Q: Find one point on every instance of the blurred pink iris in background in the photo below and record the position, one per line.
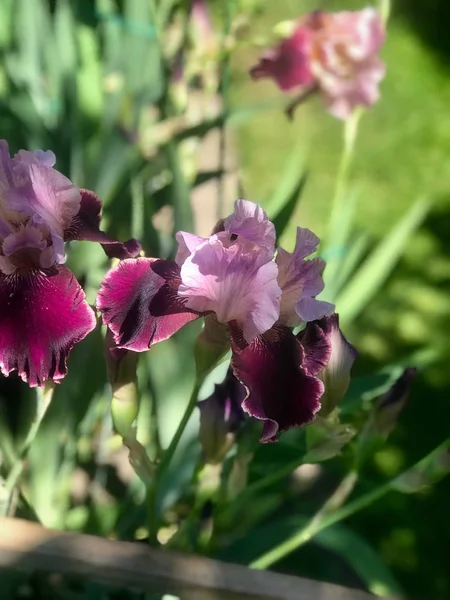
(335, 53)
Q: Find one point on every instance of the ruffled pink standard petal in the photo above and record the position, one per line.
(86, 226)
(139, 302)
(232, 283)
(281, 393)
(301, 280)
(43, 315)
(251, 222)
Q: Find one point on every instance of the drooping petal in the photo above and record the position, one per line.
(301, 280)
(139, 302)
(251, 222)
(280, 392)
(336, 373)
(231, 282)
(86, 226)
(42, 316)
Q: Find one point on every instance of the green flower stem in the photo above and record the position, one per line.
(328, 515)
(350, 134)
(152, 489)
(43, 398)
(168, 454)
(224, 86)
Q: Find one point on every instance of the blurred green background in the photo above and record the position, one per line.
(403, 153)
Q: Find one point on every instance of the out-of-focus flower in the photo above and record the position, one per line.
(234, 277)
(337, 53)
(220, 417)
(42, 306)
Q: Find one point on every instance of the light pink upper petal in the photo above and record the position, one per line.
(56, 199)
(41, 192)
(44, 156)
(300, 280)
(232, 283)
(310, 309)
(251, 222)
(187, 243)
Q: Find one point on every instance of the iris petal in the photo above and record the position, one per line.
(43, 315)
(139, 302)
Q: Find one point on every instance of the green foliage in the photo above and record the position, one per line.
(96, 82)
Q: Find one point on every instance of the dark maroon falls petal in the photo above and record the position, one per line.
(85, 226)
(280, 391)
(42, 316)
(139, 302)
(317, 347)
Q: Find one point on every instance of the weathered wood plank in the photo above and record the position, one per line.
(30, 547)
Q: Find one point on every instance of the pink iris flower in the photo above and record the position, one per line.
(237, 276)
(43, 311)
(337, 53)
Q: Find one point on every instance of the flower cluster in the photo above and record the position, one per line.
(335, 53)
(43, 311)
(236, 278)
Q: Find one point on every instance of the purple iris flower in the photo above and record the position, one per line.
(43, 311)
(259, 294)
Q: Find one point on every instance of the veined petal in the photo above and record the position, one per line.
(280, 391)
(231, 282)
(43, 315)
(251, 222)
(51, 198)
(301, 280)
(139, 302)
(86, 226)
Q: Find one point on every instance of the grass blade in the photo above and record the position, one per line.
(374, 271)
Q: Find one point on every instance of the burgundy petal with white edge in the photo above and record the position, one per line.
(336, 373)
(42, 316)
(86, 226)
(281, 393)
(301, 280)
(139, 302)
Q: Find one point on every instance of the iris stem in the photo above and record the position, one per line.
(224, 85)
(350, 134)
(168, 454)
(43, 399)
(152, 490)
